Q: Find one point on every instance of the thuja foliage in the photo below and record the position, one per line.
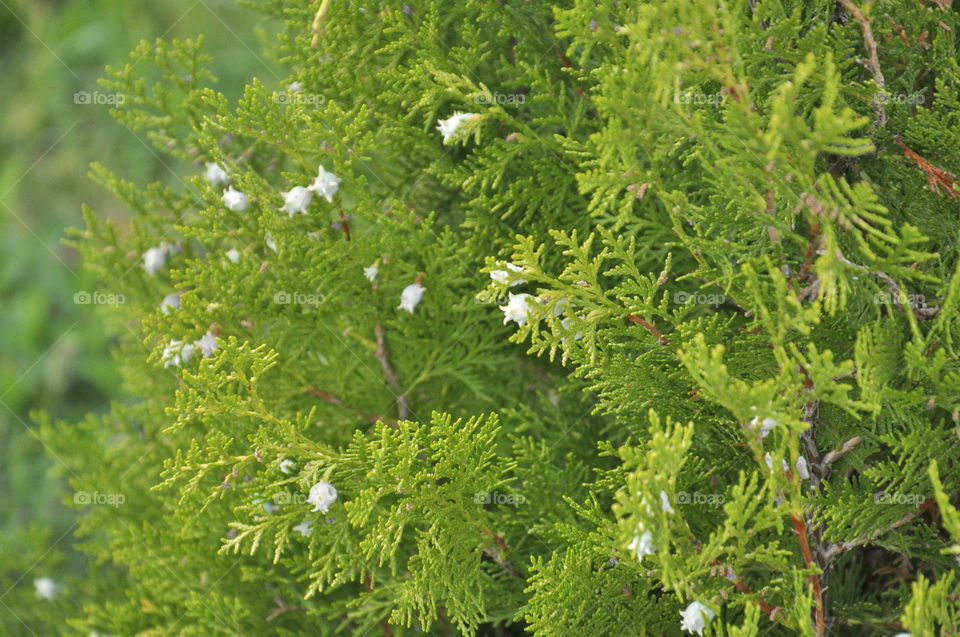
(656, 332)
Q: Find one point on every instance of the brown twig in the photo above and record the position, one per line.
(282, 607)
(800, 527)
(344, 223)
(650, 327)
(743, 588)
(403, 410)
(833, 456)
(936, 177)
(843, 547)
(873, 59)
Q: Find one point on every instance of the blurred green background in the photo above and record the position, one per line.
(54, 355)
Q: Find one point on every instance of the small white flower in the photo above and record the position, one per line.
(287, 466)
(642, 544)
(517, 309)
(450, 127)
(170, 302)
(769, 460)
(765, 426)
(322, 495)
(665, 502)
(216, 174)
(177, 353)
(500, 276)
(326, 184)
(46, 588)
(295, 87)
(155, 258)
(233, 255)
(802, 470)
(268, 239)
(235, 200)
(296, 200)
(207, 344)
(695, 618)
(410, 297)
(304, 527)
(371, 272)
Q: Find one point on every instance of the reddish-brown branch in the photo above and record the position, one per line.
(650, 327)
(801, 529)
(743, 588)
(403, 410)
(344, 223)
(811, 248)
(565, 63)
(937, 178)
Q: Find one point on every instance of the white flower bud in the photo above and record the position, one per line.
(322, 495)
(410, 297)
(695, 618)
(326, 184)
(517, 309)
(450, 127)
(216, 174)
(46, 588)
(665, 502)
(642, 544)
(235, 200)
(155, 258)
(296, 200)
